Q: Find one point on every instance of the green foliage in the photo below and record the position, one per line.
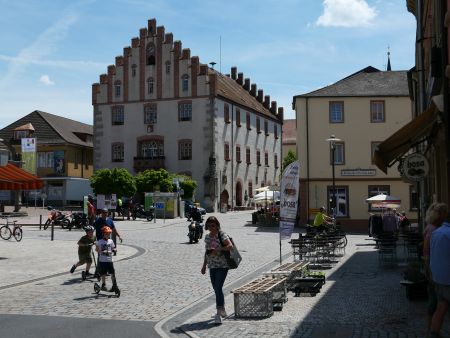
(288, 159)
(113, 181)
(148, 180)
(189, 186)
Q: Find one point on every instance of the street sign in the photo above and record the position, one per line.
(159, 205)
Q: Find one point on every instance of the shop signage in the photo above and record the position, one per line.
(415, 167)
(358, 172)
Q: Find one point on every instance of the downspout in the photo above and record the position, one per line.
(307, 159)
(422, 104)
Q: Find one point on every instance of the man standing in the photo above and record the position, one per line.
(440, 272)
(102, 221)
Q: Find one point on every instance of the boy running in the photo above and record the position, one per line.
(84, 250)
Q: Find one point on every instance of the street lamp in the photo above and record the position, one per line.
(332, 140)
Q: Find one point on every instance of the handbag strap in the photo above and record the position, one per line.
(220, 237)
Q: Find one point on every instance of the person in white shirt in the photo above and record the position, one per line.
(105, 248)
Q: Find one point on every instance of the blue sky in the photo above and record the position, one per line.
(52, 51)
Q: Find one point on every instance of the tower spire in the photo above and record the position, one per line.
(388, 68)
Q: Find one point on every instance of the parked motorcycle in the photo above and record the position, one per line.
(56, 217)
(79, 220)
(139, 212)
(195, 232)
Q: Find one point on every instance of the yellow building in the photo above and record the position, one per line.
(360, 110)
(64, 155)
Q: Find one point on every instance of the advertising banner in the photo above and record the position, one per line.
(107, 201)
(289, 199)
(85, 206)
(58, 163)
(29, 156)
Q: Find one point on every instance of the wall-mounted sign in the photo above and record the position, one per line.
(358, 172)
(415, 167)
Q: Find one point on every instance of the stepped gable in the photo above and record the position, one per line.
(364, 83)
(234, 88)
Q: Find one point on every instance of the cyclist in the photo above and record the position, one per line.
(322, 221)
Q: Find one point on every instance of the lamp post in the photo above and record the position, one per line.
(332, 140)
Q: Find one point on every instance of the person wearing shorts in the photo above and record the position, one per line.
(84, 250)
(106, 248)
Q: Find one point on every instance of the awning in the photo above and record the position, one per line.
(14, 178)
(405, 138)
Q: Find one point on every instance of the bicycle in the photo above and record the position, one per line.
(6, 232)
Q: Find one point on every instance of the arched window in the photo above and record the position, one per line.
(150, 54)
(150, 84)
(185, 82)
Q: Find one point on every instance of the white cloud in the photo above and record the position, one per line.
(346, 13)
(45, 79)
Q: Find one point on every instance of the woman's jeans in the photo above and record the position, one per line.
(218, 276)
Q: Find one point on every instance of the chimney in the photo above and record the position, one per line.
(233, 72)
(267, 101)
(281, 113)
(134, 42)
(273, 107)
(240, 78)
(151, 24)
(260, 95)
(246, 84)
(253, 89)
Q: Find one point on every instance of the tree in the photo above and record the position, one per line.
(188, 185)
(289, 158)
(117, 181)
(149, 179)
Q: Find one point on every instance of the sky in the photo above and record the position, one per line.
(53, 51)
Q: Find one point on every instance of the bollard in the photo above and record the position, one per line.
(40, 222)
(53, 231)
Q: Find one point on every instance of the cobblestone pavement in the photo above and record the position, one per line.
(159, 275)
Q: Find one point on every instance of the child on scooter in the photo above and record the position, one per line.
(84, 250)
(105, 248)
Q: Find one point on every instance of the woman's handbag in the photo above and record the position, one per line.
(233, 256)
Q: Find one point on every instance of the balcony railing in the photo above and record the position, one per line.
(143, 163)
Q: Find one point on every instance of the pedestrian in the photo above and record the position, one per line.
(435, 215)
(84, 250)
(104, 220)
(130, 208)
(105, 248)
(216, 242)
(91, 210)
(440, 272)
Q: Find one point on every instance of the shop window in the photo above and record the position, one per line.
(341, 196)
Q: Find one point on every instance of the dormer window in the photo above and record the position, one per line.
(24, 131)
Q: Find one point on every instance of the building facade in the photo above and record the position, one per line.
(289, 136)
(360, 111)
(64, 155)
(158, 107)
(428, 134)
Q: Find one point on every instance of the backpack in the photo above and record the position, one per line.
(233, 256)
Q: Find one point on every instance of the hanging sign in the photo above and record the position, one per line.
(415, 167)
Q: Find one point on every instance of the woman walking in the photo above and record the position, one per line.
(216, 243)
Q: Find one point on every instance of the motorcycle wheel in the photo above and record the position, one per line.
(65, 223)
(47, 223)
(134, 217)
(150, 217)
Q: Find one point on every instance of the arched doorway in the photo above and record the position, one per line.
(224, 196)
(238, 194)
